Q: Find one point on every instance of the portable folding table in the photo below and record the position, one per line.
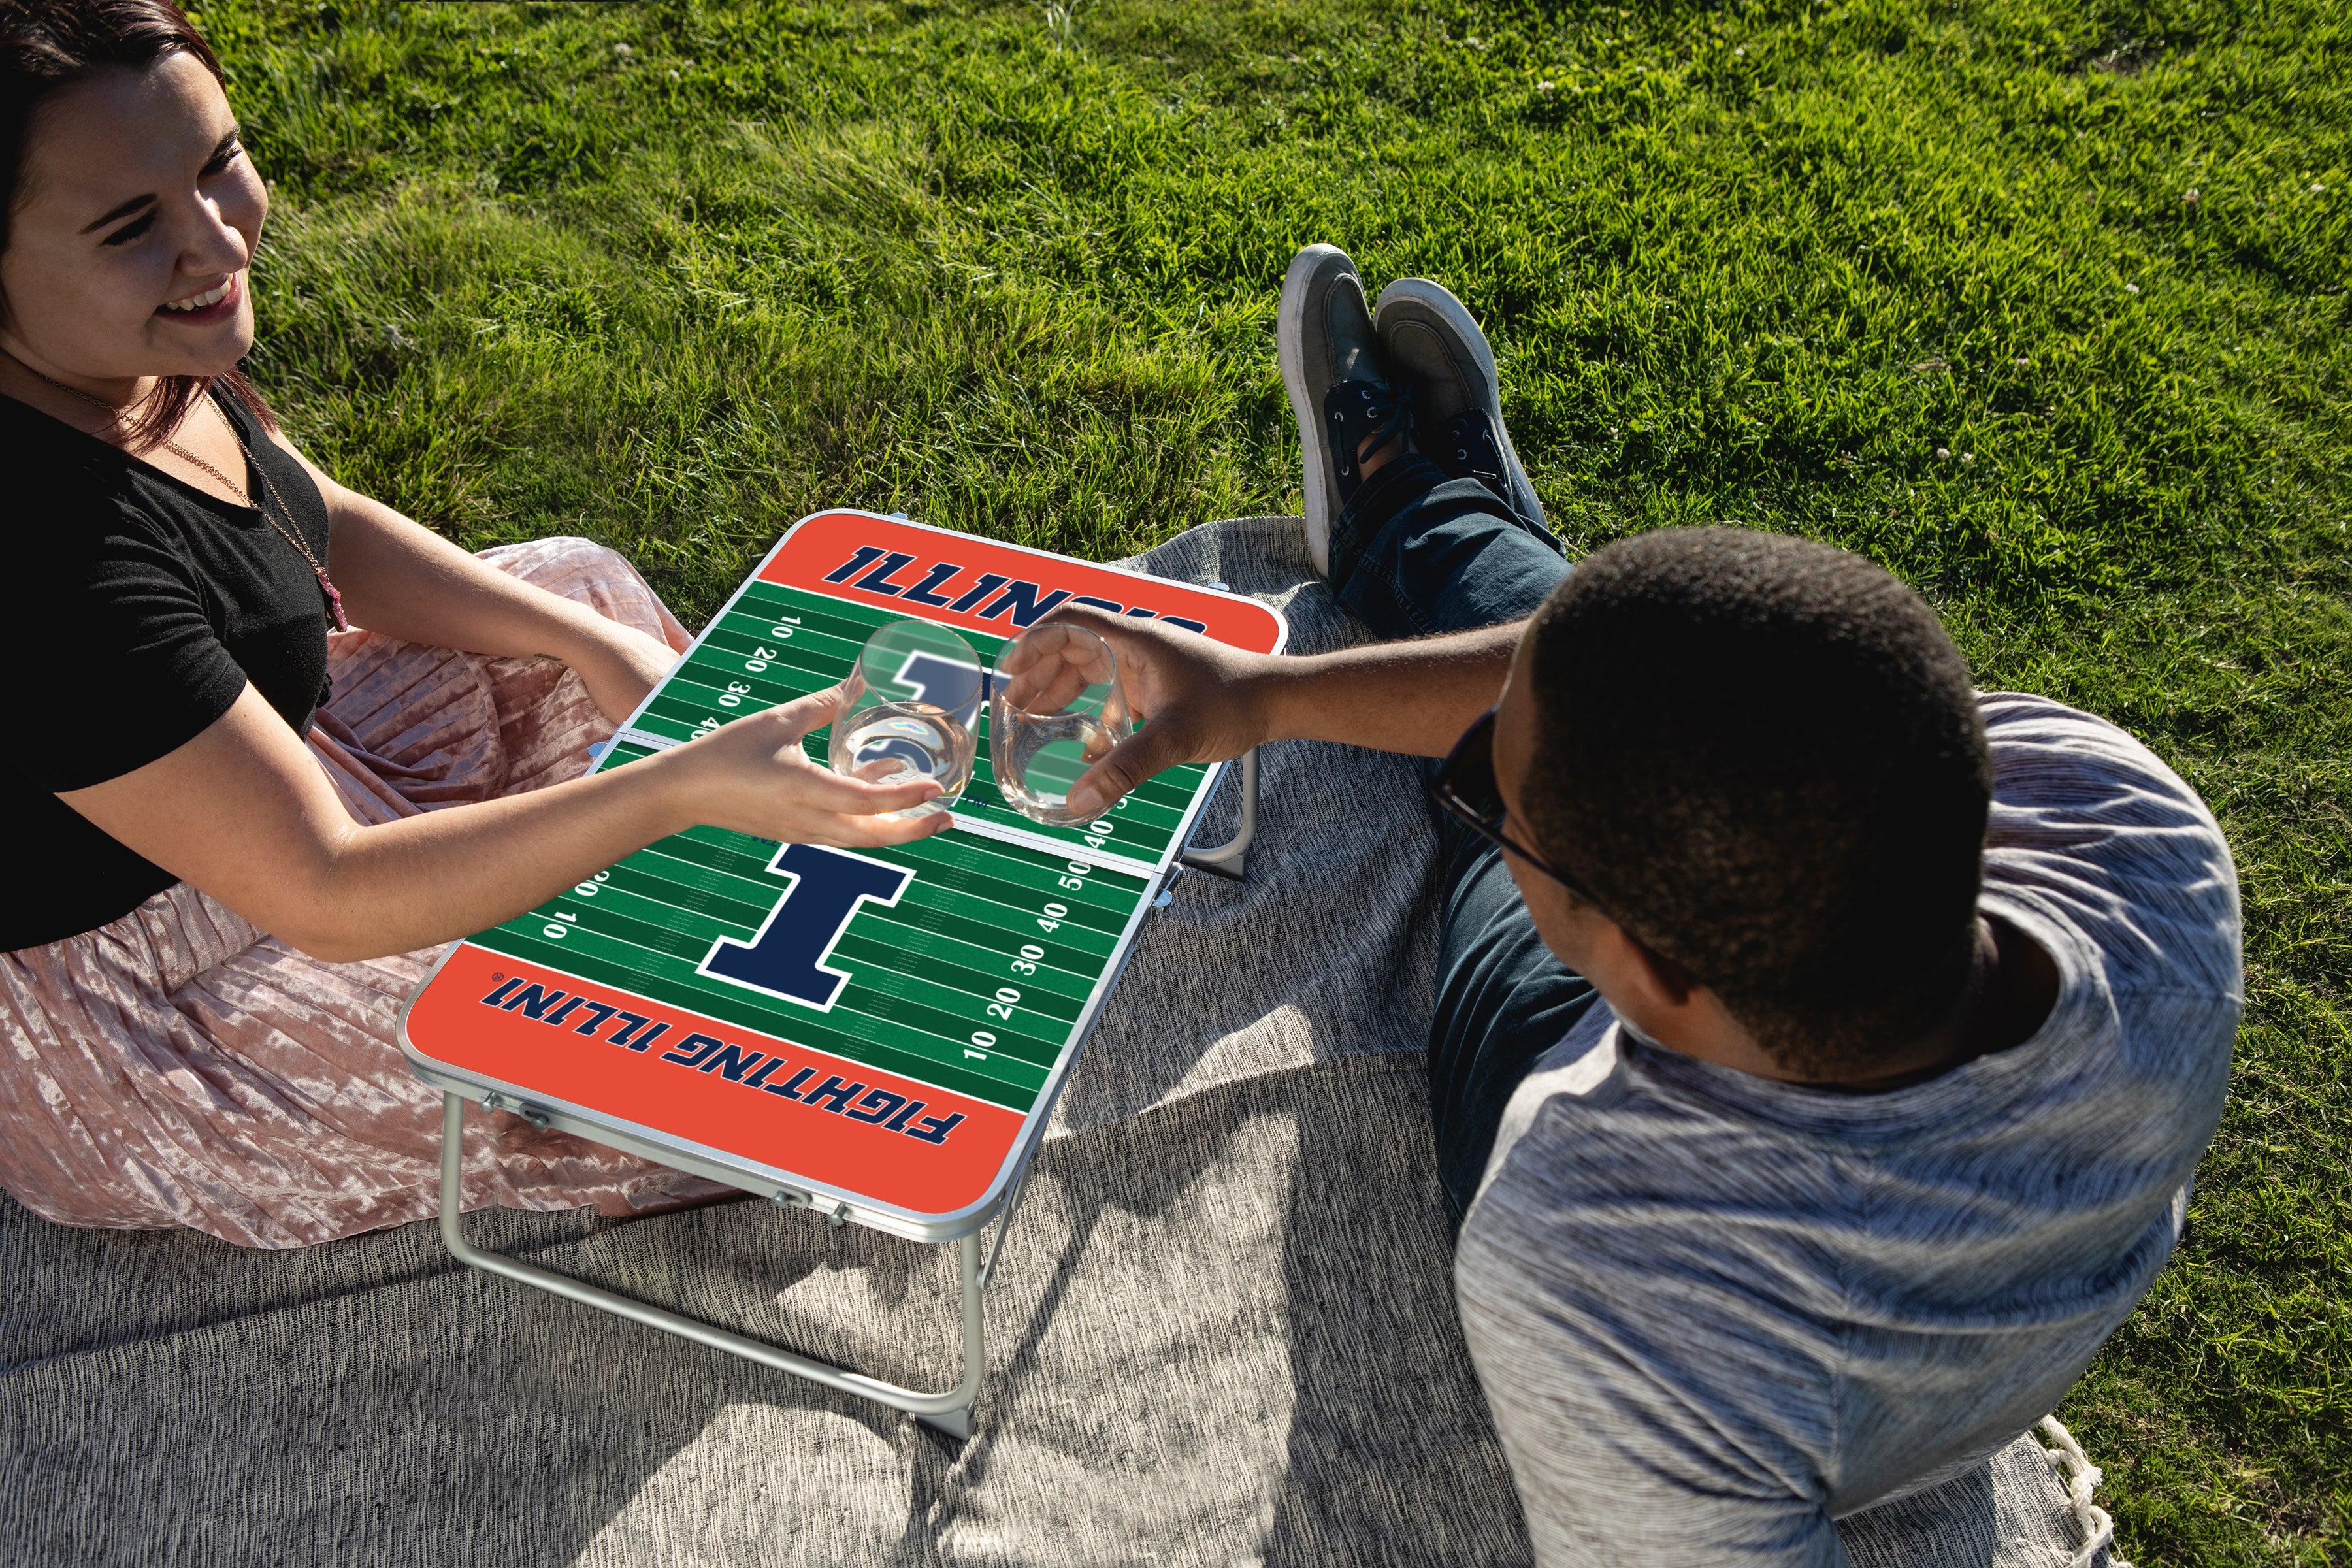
(880, 1035)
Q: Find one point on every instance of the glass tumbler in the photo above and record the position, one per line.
(914, 702)
(1055, 710)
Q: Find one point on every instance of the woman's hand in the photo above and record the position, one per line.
(751, 775)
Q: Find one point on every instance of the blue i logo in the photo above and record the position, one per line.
(786, 957)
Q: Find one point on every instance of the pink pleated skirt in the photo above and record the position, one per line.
(180, 1067)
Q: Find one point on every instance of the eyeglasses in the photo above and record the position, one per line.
(1464, 787)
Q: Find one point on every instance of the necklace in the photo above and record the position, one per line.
(291, 535)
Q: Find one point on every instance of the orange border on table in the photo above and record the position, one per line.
(726, 1117)
(825, 543)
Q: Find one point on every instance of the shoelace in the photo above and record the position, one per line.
(1385, 408)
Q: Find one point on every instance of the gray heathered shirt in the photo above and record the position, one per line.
(1715, 1312)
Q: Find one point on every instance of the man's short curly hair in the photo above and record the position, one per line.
(1764, 757)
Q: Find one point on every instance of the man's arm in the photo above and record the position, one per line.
(1207, 703)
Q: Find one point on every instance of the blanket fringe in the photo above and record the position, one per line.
(2082, 1478)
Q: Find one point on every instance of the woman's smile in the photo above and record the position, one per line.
(218, 303)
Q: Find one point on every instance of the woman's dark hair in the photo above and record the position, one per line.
(47, 46)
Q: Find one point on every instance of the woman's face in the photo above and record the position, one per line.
(136, 218)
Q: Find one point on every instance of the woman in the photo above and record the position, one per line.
(243, 833)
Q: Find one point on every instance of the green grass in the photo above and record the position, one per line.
(1013, 268)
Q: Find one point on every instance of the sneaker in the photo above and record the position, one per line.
(1338, 380)
(1432, 342)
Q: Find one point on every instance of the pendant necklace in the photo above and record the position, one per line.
(292, 535)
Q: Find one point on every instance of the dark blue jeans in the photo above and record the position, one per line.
(1414, 554)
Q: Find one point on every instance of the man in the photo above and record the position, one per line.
(1822, 1051)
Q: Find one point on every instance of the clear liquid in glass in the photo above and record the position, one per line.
(895, 742)
(1038, 759)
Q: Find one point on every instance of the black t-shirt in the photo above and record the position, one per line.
(140, 609)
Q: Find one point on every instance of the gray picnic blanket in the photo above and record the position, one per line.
(1222, 1331)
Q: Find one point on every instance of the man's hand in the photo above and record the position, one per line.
(1202, 698)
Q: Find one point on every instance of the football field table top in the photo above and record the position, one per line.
(881, 1032)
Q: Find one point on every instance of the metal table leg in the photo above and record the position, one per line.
(949, 1412)
(1228, 859)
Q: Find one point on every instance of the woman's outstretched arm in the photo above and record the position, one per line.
(245, 813)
